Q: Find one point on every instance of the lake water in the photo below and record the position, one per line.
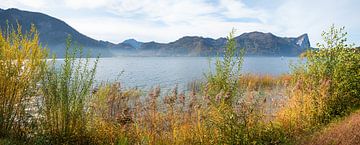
(167, 72)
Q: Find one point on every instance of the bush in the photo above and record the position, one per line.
(21, 60)
(224, 81)
(325, 85)
(66, 92)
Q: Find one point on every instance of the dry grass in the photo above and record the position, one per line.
(263, 82)
(129, 117)
(343, 132)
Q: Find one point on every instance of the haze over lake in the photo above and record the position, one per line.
(148, 72)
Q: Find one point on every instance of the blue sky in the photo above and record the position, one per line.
(168, 20)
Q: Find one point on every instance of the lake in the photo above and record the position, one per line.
(167, 72)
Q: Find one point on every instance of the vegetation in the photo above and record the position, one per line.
(227, 72)
(44, 102)
(342, 131)
(21, 62)
(65, 93)
(325, 86)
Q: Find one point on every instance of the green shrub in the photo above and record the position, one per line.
(325, 85)
(335, 65)
(66, 91)
(224, 81)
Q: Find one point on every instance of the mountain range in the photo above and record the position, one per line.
(53, 33)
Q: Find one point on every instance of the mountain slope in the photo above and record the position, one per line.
(258, 43)
(52, 32)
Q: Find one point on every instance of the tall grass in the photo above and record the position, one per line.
(113, 110)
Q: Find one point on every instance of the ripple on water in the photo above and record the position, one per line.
(147, 72)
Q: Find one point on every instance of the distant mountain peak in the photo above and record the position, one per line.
(303, 41)
(186, 38)
(132, 42)
(15, 10)
(257, 34)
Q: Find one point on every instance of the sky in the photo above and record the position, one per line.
(168, 20)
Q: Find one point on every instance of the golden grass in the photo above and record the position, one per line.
(272, 110)
(181, 118)
(343, 132)
(264, 82)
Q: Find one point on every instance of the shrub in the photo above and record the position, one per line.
(325, 85)
(66, 92)
(227, 72)
(21, 60)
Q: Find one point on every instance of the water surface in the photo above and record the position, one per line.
(167, 72)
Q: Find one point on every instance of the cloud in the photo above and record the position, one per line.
(32, 4)
(303, 16)
(118, 30)
(237, 9)
(164, 20)
(81, 4)
(168, 20)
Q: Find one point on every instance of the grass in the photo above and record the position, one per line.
(45, 104)
(343, 130)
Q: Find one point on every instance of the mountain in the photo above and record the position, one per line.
(53, 33)
(185, 46)
(254, 43)
(258, 43)
(135, 44)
